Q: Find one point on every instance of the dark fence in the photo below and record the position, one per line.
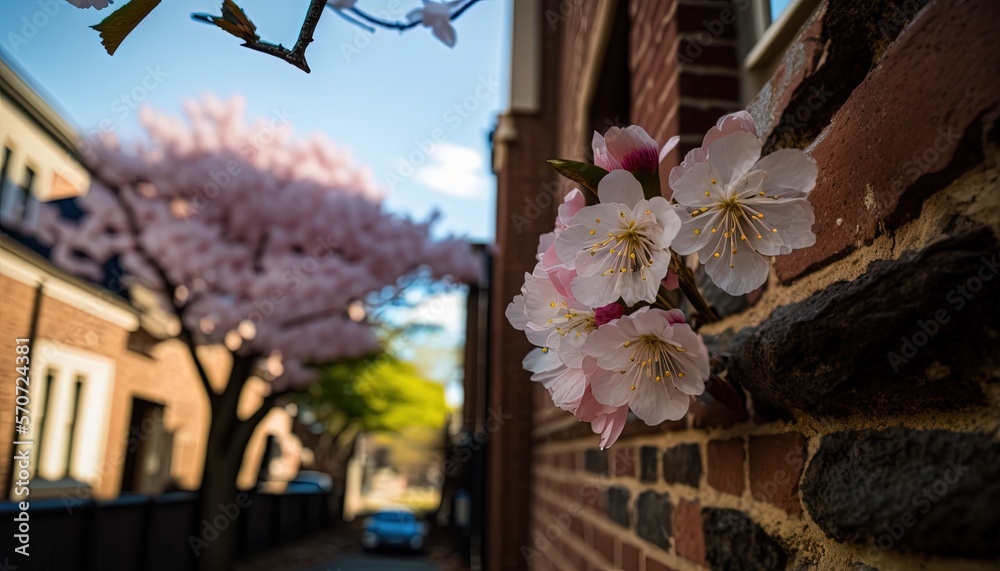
(148, 533)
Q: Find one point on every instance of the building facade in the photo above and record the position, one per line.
(114, 405)
(868, 363)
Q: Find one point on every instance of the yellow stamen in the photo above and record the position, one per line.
(592, 232)
(697, 231)
(716, 254)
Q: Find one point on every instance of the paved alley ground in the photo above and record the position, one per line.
(338, 549)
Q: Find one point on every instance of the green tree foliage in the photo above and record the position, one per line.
(375, 393)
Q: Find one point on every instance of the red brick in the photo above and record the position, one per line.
(776, 463)
(604, 543)
(708, 20)
(631, 557)
(939, 76)
(624, 462)
(713, 415)
(712, 86)
(654, 565)
(689, 538)
(725, 465)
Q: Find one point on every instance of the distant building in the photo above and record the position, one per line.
(113, 407)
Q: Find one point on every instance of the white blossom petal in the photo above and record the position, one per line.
(732, 156)
(541, 360)
(736, 274)
(620, 186)
(658, 402)
(790, 173)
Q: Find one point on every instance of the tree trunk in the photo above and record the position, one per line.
(219, 503)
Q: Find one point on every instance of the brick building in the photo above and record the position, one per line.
(113, 408)
(868, 362)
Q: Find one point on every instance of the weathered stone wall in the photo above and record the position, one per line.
(869, 361)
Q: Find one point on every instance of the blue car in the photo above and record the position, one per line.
(393, 529)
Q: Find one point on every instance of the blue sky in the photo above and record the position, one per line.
(390, 97)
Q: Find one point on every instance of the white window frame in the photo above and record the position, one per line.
(90, 434)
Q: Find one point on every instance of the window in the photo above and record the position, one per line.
(777, 8)
(5, 166)
(148, 449)
(768, 28)
(7, 195)
(72, 421)
(29, 204)
(42, 413)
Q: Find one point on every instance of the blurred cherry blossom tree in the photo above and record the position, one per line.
(253, 240)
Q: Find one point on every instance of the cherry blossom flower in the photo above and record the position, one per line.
(629, 148)
(739, 209)
(565, 321)
(553, 310)
(566, 385)
(560, 273)
(571, 392)
(740, 121)
(619, 247)
(650, 360)
(437, 17)
(608, 421)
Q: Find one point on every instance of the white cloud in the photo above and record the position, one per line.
(456, 171)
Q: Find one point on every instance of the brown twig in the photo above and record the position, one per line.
(297, 55)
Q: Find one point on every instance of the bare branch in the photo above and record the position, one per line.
(169, 288)
(315, 316)
(295, 56)
(401, 26)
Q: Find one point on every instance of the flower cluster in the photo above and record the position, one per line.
(608, 341)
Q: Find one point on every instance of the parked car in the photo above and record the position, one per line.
(394, 528)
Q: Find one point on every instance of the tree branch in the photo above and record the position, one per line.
(315, 316)
(295, 56)
(169, 288)
(398, 25)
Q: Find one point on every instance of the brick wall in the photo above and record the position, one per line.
(869, 362)
(166, 377)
